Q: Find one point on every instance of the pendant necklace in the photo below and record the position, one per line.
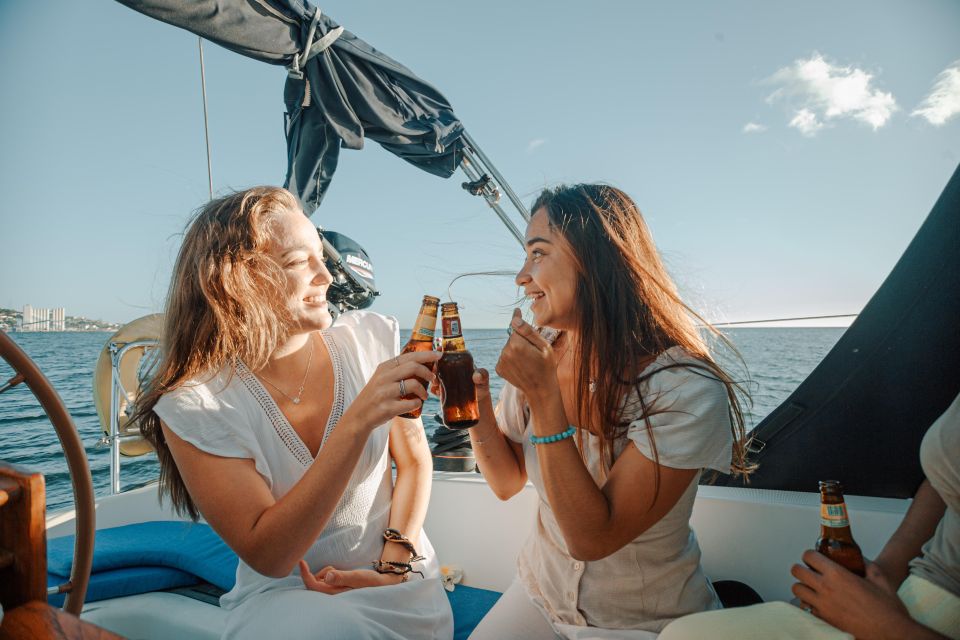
(296, 399)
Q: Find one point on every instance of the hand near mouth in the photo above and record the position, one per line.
(528, 361)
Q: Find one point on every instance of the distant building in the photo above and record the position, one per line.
(58, 319)
(37, 319)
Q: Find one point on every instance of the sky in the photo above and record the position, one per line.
(783, 154)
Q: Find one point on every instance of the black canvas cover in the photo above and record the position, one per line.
(343, 94)
(861, 414)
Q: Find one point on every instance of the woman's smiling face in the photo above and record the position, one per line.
(297, 248)
(549, 275)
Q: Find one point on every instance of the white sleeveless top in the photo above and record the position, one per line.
(231, 414)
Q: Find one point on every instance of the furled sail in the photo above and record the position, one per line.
(339, 89)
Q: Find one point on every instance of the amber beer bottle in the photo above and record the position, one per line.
(455, 373)
(422, 340)
(836, 541)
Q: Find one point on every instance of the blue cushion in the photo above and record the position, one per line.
(469, 605)
(127, 581)
(152, 556)
(189, 547)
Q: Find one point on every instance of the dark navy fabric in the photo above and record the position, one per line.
(153, 556)
(189, 547)
(356, 92)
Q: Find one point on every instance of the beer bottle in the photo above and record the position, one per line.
(455, 374)
(422, 340)
(836, 541)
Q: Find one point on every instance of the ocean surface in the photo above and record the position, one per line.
(776, 360)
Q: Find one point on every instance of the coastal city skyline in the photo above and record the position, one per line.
(784, 156)
(31, 319)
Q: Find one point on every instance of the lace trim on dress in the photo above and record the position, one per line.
(336, 411)
(279, 421)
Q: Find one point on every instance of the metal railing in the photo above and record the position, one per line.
(117, 391)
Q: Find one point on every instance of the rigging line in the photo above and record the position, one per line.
(499, 272)
(841, 315)
(206, 129)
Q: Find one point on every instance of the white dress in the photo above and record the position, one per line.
(232, 415)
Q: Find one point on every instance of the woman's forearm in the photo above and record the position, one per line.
(411, 497)
(497, 459)
(301, 514)
(580, 507)
(917, 527)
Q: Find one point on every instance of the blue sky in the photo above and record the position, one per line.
(784, 154)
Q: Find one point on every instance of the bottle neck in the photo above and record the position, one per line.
(425, 327)
(834, 521)
(452, 333)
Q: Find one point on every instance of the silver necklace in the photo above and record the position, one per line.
(295, 400)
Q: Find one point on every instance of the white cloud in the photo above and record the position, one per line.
(753, 127)
(943, 102)
(535, 144)
(818, 92)
(806, 121)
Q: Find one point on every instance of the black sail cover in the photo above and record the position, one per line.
(343, 94)
(860, 415)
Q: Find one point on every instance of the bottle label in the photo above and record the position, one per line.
(834, 515)
(451, 327)
(425, 324)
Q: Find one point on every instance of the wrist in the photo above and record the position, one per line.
(484, 432)
(352, 425)
(549, 416)
(544, 395)
(395, 552)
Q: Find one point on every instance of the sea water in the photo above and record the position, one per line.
(776, 361)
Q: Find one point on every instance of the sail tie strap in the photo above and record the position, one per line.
(295, 70)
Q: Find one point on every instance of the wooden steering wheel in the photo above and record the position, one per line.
(25, 370)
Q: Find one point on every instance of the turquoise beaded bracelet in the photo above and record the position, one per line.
(557, 437)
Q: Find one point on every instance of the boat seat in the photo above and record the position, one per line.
(169, 555)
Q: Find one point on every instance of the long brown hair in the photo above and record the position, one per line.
(628, 313)
(223, 305)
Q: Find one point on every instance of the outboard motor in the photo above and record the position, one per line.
(353, 285)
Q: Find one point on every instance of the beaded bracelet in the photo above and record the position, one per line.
(392, 535)
(557, 437)
(395, 568)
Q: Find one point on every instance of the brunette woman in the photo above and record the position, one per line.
(279, 429)
(613, 409)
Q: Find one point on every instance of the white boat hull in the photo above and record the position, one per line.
(749, 535)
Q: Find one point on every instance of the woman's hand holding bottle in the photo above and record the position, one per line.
(382, 398)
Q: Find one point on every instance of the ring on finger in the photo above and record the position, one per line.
(403, 388)
(396, 360)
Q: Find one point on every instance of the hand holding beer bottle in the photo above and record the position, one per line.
(422, 340)
(836, 540)
(458, 395)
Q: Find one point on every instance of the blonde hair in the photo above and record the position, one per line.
(225, 303)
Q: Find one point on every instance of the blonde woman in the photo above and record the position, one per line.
(613, 410)
(279, 428)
